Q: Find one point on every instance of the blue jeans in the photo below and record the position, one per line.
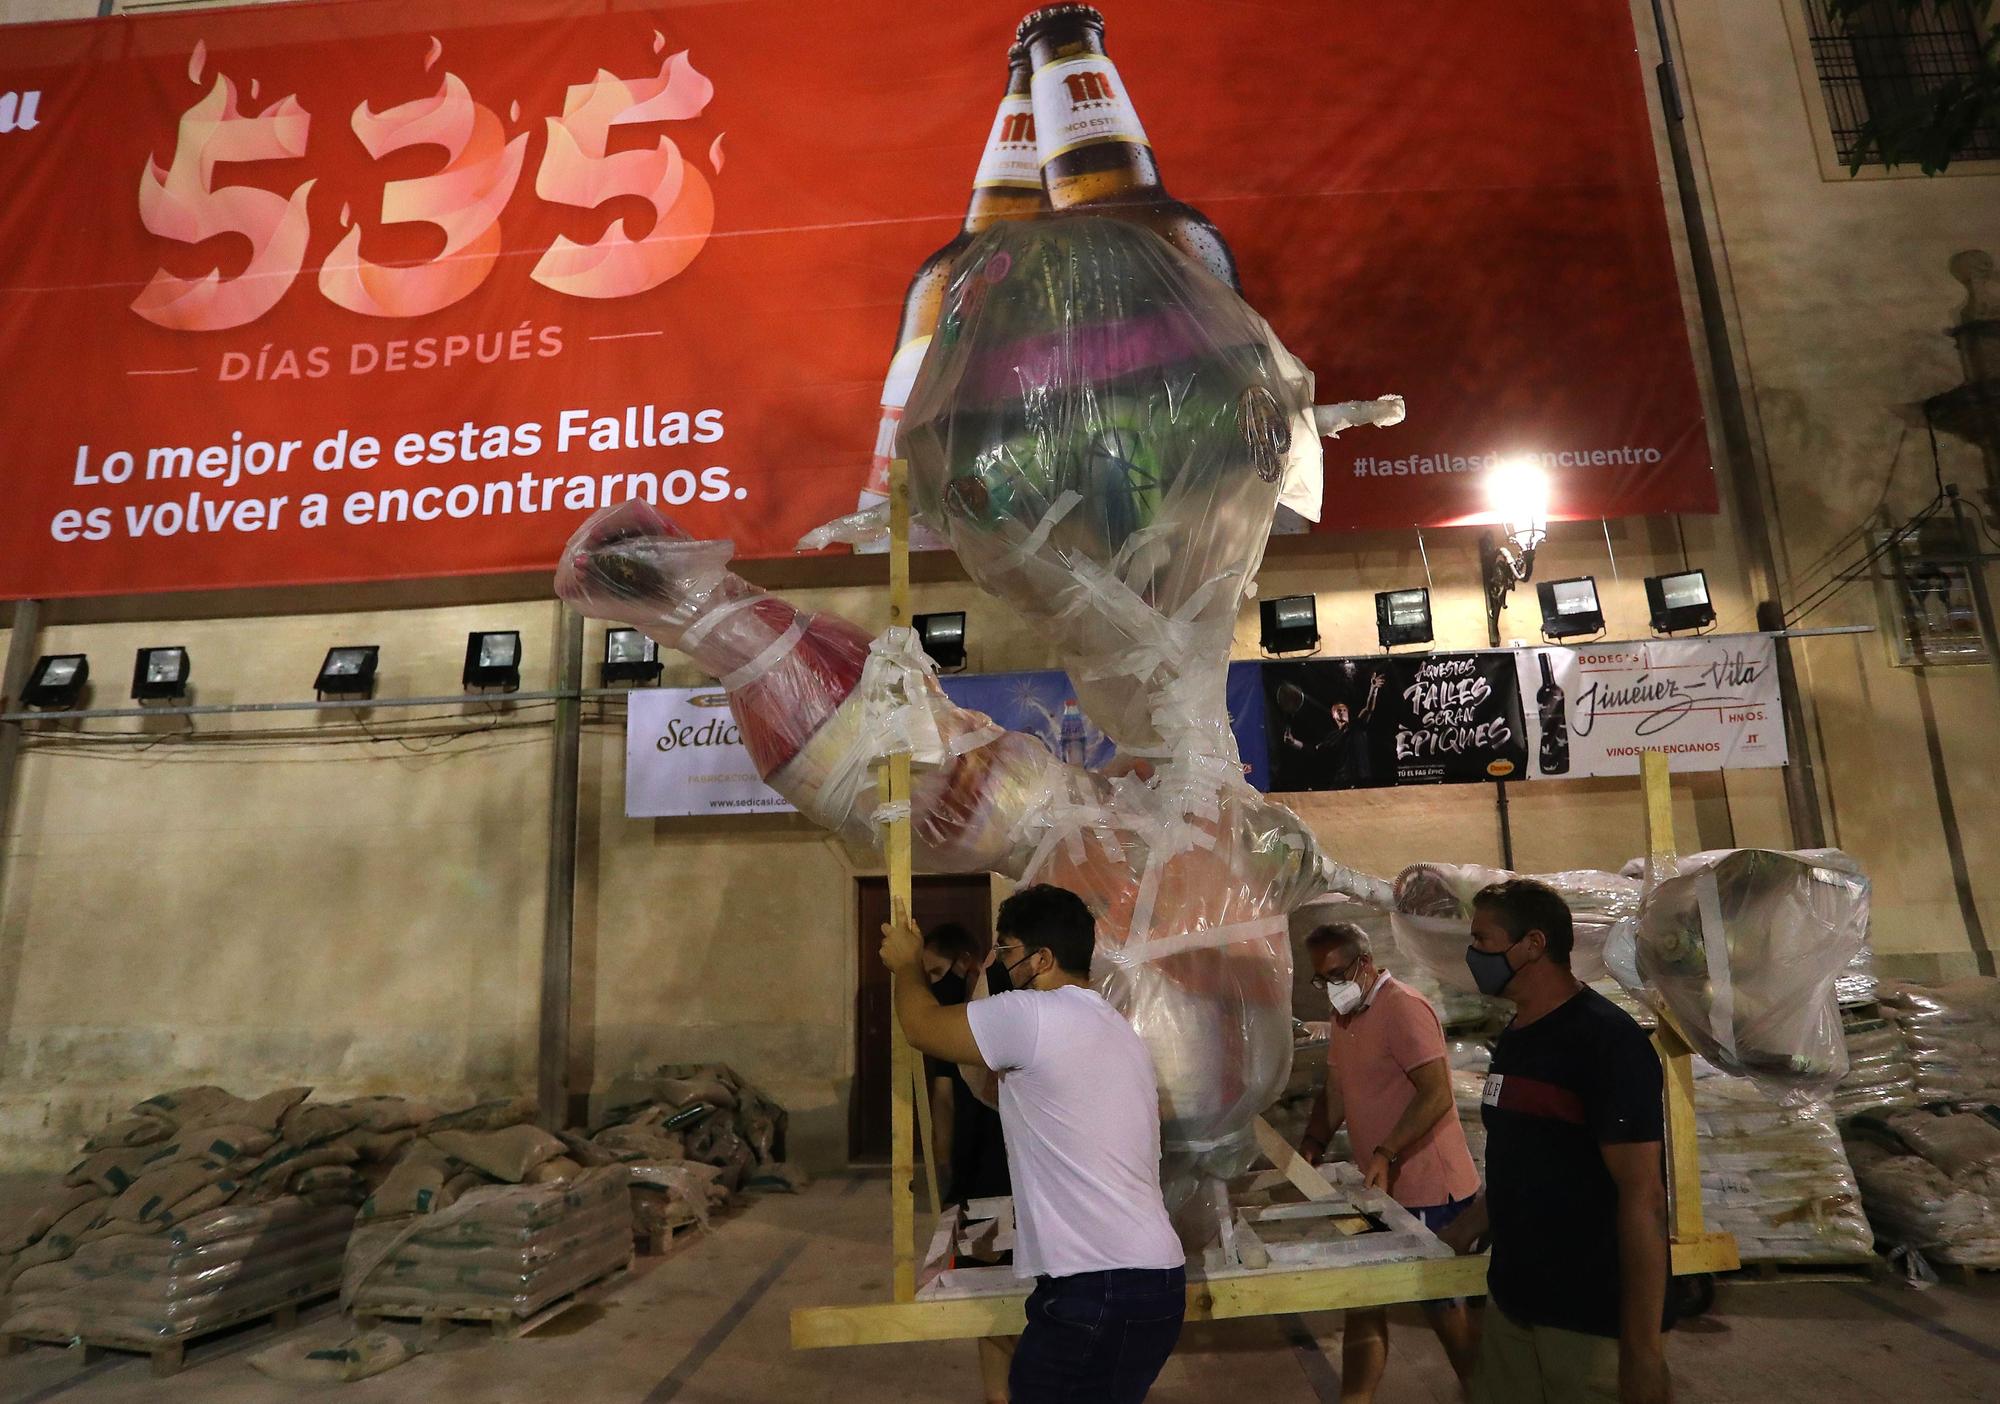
(1098, 1337)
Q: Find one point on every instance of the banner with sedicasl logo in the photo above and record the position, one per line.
(315, 293)
(1709, 703)
(1410, 719)
(684, 755)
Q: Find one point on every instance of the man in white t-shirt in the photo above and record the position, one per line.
(1081, 1111)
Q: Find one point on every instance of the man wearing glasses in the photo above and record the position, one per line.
(1388, 1080)
(1080, 1107)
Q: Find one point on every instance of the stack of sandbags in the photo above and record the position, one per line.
(193, 1162)
(1953, 1034)
(1775, 1174)
(207, 1271)
(491, 1143)
(1931, 1181)
(497, 1251)
(659, 1116)
(1880, 1074)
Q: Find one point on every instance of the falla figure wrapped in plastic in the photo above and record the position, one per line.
(1102, 431)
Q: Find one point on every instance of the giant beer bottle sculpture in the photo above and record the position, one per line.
(1101, 431)
(1007, 185)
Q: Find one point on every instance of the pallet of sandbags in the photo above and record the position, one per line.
(155, 1293)
(1953, 1034)
(1776, 1175)
(507, 1255)
(1930, 1179)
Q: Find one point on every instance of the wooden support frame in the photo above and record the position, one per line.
(906, 1319)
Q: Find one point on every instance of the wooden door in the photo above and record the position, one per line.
(965, 900)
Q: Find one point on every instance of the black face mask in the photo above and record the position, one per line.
(1000, 976)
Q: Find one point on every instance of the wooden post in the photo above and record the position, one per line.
(905, 1069)
(1683, 1151)
(926, 1137)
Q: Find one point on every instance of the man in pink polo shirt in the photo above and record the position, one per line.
(1388, 1080)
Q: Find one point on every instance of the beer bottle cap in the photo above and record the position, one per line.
(1053, 14)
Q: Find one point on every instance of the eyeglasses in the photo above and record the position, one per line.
(1320, 982)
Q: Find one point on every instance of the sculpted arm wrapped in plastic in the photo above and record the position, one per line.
(818, 703)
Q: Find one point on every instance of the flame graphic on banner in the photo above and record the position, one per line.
(183, 203)
(715, 153)
(577, 171)
(464, 200)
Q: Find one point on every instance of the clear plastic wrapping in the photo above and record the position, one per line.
(1953, 1034)
(217, 1267)
(1880, 1073)
(1103, 434)
(1742, 946)
(1775, 1175)
(509, 1249)
(1433, 912)
(1915, 1203)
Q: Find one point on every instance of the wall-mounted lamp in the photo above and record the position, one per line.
(942, 636)
(57, 681)
(1403, 617)
(1679, 601)
(492, 659)
(348, 671)
(160, 675)
(1570, 608)
(1518, 493)
(1290, 624)
(631, 657)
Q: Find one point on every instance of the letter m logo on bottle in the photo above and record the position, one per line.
(1092, 85)
(1018, 127)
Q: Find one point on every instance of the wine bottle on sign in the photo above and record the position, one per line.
(1008, 185)
(1094, 153)
(1555, 722)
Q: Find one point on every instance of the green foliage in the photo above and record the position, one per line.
(1927, 128)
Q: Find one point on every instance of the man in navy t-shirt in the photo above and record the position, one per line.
(1575, 1199)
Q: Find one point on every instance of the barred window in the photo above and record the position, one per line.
(1889, 55)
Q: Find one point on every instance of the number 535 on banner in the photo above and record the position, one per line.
(464, 199)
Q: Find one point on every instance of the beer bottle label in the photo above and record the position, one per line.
(1079, 102)
(1010, 157)
(895, 394)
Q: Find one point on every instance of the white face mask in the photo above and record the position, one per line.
(1344, 996)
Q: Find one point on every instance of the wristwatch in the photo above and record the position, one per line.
(1391, 1156)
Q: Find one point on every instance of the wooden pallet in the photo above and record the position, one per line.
(1965, 1274)
(503, 1324)
(1842, 1270)
(168, 1355)
(658, 1242)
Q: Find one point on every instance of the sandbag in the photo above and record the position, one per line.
(39, 1214)
(507, 1154)
(160, 1190)
(185, 1106)
(267, 1111)
(131, 1131)
(113, 1171)
(355, 1358)
(381, 1114)
(560, 1168)
(412, 1188)
(484, 1116)
(311, 1122)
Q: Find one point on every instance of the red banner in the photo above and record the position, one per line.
(313, 293)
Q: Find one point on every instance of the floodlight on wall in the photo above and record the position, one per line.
(1570, 608)
(56, 681)
(1679, 601)
(1290, 624)
(1403, 617)
(493, 660)
(1517, 493)
(160, 674)
(630, 657)
(943, 638)
(349, 671)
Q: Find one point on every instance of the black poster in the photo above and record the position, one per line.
(1416, 719)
